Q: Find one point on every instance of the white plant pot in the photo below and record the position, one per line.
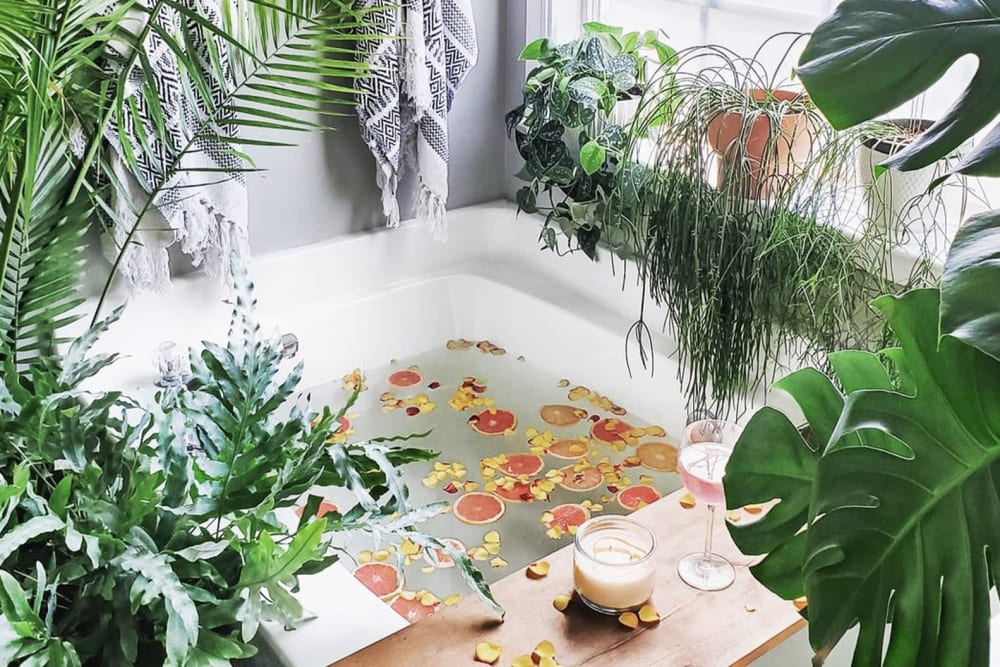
(895, 199)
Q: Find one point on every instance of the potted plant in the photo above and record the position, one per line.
(885, 518)
(890, 196)
(118, 544)
(570, 127)
(761, 138)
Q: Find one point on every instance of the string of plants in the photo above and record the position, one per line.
(137, 531)
(737, 202)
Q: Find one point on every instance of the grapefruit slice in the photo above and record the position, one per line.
(520, 493)
(492, 421)
(382, 579)
(405, 378)
(570, 450)
(478, 508)
(658, 456)
(413, 610)
(325, 507)
(564, 517)
(610, 431)
(637, 496)
(441, 559)
(517, 465)
(586, 479)
(562, 415)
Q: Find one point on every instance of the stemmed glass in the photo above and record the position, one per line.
(701, 463)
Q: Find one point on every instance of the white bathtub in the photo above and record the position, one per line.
(361, 300)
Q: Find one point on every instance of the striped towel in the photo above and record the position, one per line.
(425, 50)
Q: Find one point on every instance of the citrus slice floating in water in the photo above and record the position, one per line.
(658, 456)
(637, 496)
(562, 415)
(586, 479)
(565, 517)
(517, 465)
(407, 377)
(412, 610)
(493, 421)
(382, 579)
(610, 431)
(441, 558)
(569, 450)
(478, 508)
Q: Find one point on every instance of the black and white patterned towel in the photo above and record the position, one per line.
(202, 203)
(425, 51)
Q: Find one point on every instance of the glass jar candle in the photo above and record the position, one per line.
(613, 565)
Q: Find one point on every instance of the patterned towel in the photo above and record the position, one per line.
(203, 202)
(424, 52)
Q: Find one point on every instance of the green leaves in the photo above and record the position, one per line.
(969, 307)
(872, 56)
(535, 50)
(592, 156)
(891, 516)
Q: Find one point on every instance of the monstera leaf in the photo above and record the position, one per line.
(969, 307)
(871, 56)
(889, 519)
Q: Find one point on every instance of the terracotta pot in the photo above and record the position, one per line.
(761, 163)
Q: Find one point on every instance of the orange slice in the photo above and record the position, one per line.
(629, 620)
(412, 609)
(658, 456)
(562, 415)
(407, 377)
(637, 496)
(610, 431)
(586, 479)
(382, 579)
(567, 517)
(518, 465)
(493, 421)
(478, 508)
(571, 450)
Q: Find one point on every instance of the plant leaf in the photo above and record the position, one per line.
(969, 309)
(872, 56)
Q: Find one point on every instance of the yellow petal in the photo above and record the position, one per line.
(538, 569)
(427, 570)
(687, 501)
(648, 614)
(428, 599)
(498, 562)
(488, 652)
(545, 649)
(452, 600)
(381, 554)
(491, 547)
(561, 602)
(629, 620)
(523, 661)
(365, 556)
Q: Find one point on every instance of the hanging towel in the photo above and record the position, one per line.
(423, 52)
(202, 204)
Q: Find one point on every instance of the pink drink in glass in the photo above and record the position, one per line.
(701, 467)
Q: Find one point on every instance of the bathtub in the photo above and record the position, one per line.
(360, 300)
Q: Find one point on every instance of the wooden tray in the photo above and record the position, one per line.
(731, 627)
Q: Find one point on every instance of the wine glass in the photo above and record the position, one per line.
(701, 463)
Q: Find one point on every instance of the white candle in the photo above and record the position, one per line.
(613, 567)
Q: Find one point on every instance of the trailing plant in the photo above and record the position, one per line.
(758, 253)
(566, 129)
(150, 534)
